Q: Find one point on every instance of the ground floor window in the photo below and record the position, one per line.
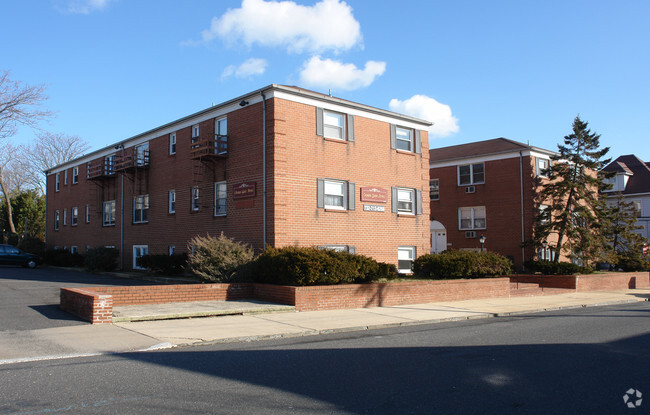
(405, 258)
(139, 251)
(339, 248)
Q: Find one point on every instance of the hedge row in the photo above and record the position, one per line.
(452, 264)
(556, 268)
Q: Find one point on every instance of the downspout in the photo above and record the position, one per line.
(521, 192)
(263, 168)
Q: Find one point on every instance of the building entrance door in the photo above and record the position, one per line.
(438, 237)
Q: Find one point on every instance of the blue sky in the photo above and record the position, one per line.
(479, 69)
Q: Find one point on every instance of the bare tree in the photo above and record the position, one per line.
(47, 151)
(19, 104)
(9, 181)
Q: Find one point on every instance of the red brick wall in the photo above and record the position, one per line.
(547, 281)
(615, 281)
(87, 304)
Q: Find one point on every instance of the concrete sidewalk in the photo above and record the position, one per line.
(256, 321)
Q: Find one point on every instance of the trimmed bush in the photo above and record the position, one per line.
(33, 246)
(632, 261)
(101, 259)
(218, 259)
(556, 268)
(452, 264)
(163, 264)
(63, 258)
(311, 266)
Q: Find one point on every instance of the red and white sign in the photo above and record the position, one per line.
(374, 194)
(244, 190)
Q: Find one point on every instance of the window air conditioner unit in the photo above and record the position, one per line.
(470, 234)
(470, 189)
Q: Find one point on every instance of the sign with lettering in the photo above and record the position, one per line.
(374, 208)
(244, 190)
(374, 194)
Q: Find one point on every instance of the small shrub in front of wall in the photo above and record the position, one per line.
(556, 268)
(32, 245)
(312, 266)
(63, 258)
(164, 264)
(101, 259)
(219, 259)
(452, 264)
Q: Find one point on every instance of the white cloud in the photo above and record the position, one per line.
(86, 6)
(426, 108)
(249, 68)
(327, 73)
(327, 25)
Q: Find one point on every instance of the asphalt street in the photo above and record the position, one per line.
(570, 361)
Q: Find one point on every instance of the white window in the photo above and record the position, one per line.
(172, 201)
(65, 217)
(56, 220)
(172, 143)
(75, 216)
(339, 248)
(109, 213)
(142, 155)
(471, 174)
(58, 182)
(333, 125)
(434, 189)
(403, 139)
(221, 132)
(544, 214)
(405, 201)
(220, 196)
(542, 166)
(334, 195)
(405, 258)
(195, 198)
(141, 209)
(195, 132)
(87, 213)
(75, 175)
(139, 251)
(471, 217)
(171, 249)
(65, 176)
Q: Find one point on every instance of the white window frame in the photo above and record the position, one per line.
(401, 192)
(65, 177)
(474, 215)
(57, 185)
(65, 216)
(405, 253)
(434, 189)
(139, 251)
(472, 180)
(87, 213)
(74, 216)
(329, 128)
(337, 248)
(172, 144)
(141, 205)
(399, 138)
(196, 195)
(221, 130)
(75, 175)
(171, 201)
(542, 164)
(171, 249)
(328, 185)
(74, 249)
(220, 199)
(57, 220)
(141, 154)
(111, 214)
(195, 131)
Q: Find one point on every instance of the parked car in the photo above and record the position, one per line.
(10, 255)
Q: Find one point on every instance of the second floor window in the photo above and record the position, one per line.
(434, 189)
(172, 201)
(57, 182)
(56, 220)
(471, 174)
(195, 199)
(109, 213)
(141, 209)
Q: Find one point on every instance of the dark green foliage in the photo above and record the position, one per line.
(101, 259)
(28, 212)
(62, 258)
(218, 259)
(630, 261)
(164, 264)
(451, 264)
(556, 268)
(33, 246)
(312, 266)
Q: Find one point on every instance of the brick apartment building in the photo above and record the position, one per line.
(486, 188)
(275, 167)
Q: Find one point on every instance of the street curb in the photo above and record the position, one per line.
(204, 314)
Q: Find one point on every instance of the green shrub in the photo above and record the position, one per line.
(32, 245)
(452, 264)
(163, 264)
(62, 258)
(218, 259)
(312, 266)
(101, 259)
(632, 261)
(556, 268)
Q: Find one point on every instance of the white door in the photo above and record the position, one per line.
(438, 237)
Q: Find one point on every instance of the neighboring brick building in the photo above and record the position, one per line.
(332, 173)
(486, 188)
(632, 180)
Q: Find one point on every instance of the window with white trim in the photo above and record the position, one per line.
(471, 218)
(195, 135)
(141, 209)
(405, 258)
(333, 125)
(434, 189)
(471, 174)
(336, 194)
(172, 143)
(57, 183)
(75, 175)
(108, 215)
(542, 167)
(195, 199)
(138, 252)
(65, 216)
(405, 201)
(338, 248)
(404, 139)
(221, 131)
(544, 214)
(171, 249)
(87, 213)
(65, 177)
(57, 215)
(172, 201)
(220, 197)
(74, 213)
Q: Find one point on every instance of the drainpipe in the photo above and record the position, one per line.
(122, 215)
(264, 168)
(521, 184)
